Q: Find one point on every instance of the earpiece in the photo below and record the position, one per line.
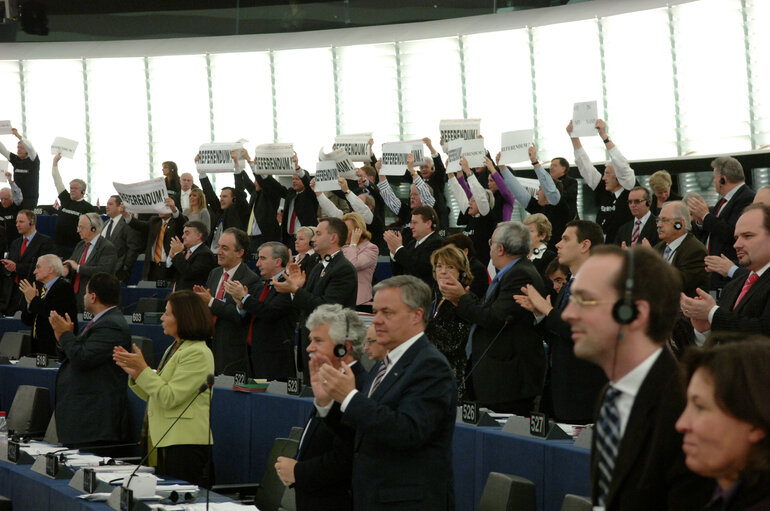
(722, 180)
(340, 350)
(678, 225)
(624, 311)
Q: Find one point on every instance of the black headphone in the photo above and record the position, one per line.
(678, 225)
(340, 350)
(722, 180)
(463, 275)
(93, 227)
(624, 311)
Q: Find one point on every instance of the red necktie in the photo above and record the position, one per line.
(23, 248)
(221, 290)
(635, 235)
(262, 297)
(293, 218)
(746, 286)
(80, 263)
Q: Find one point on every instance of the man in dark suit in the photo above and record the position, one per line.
(10, 205)
(569, 186)
(158, 232)
(230, 209)
(127, 241)
(300, 203)
(262, 225)
(91, 390)
(322, 471)
(505, 349)
(229, 345)
(636, 457)
(716, 226)
(642, 226)
(190, 258)
(680, 248)
(744, 305)
(333, 280)
(404, 420)
(572, 385)
(92, 255)
(22, 257)
(414, 257)
(271, 317)
(53, 294)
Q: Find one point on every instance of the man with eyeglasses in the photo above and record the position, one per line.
(636, 456)
(680, 248)
(642, 225)
(73, 205)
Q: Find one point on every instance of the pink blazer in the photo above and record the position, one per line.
(364, 258)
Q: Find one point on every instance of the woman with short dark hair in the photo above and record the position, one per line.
(184, 452)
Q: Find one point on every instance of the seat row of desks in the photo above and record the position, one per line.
(245, 424)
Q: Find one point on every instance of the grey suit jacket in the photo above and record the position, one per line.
(102, 258)
(127, 243)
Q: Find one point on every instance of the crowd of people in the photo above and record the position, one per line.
(588, 320)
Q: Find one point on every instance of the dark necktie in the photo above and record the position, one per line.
(109, 231)
(607, 441)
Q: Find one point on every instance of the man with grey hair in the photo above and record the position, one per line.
(404, 418)
(92, 255)
(10, 205)
(322, 471)
(51, 294)
(715, 226)
(680, 248)
(507, 369)
(72, 204)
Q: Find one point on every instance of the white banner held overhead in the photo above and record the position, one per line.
(515, 146)
(394, 157)
(145, 196)
(474, 152)
(584, 117)
(531, 185)
(466, 129)
(326, 176)
(64, 146)
(455, 150)
(3, 170)
(5, 128)
(216, 157)
(344, 163)
(356, 145)
(274, 159)
(418, 151)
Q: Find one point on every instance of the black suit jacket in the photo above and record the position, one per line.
(689, 260)
(413, 259)
(91, 390)
(101, 258)
(514, 366)
(263, 203)
(649, 232)
(236, 215)
(230, 347)
(324, 466)
(649, 468)
(128, 244)
(25, 264)
(305, 204)
(721, 229)
(271, 333)
(149, 230)
(752, 315)
(193, 271)
(403, 434)
(61, 298)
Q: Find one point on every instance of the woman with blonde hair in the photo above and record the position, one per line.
(446, 330)
(303, 244)
(540, 229)
(362, 253)
(198, 210)
(660, 184)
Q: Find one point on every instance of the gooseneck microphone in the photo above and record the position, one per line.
(508, 320)
(204, 386)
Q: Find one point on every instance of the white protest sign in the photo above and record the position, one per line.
(5, 128)
(344, 163)
(394, 158)
(418, 152)
(3, 170)
(145, 196)
(357, 145)
(454, 151)
(326, 176)
(216, 157)
(274, 159)
(515, 146)
(474, 152)
(64, 146)
(531, 185)
(452, 129)
(584, 117)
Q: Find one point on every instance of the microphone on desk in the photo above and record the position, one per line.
(206, 385)
(508, 321)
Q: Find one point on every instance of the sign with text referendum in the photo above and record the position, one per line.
(466, 129)
(145, 196)
(326, 176)
(514, 146)
(216, 157)
(454, 151)
(274, 159)
(356, 145)
(394, 156)
(5, 128)
(344, 163)
(64, 146)
(584, 117)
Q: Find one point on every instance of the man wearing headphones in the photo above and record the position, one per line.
(715, 226)
(414, 257)
(92, 255)
(680, 248)
(622, 309)
(642, 225)
(321, 473)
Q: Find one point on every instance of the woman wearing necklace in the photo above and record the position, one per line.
(185, 452)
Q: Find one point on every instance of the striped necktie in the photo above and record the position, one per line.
(380, 375)
(34, 323)
(607, 441)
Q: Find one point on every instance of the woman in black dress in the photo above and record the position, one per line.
(446, 330)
